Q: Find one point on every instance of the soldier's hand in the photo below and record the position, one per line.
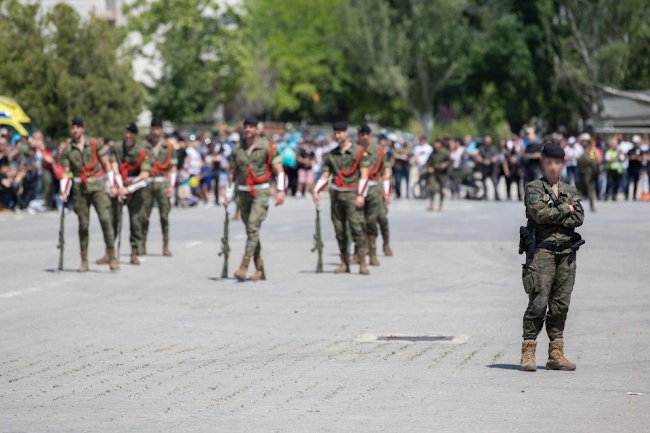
(387, 198)
(431, 170)
(64, 197)
(360, 201)
(572, 209)
(226, 202)
(279, 198)
(112, 191)
(170, 192)
(316, 199)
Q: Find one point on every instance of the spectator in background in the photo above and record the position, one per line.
(421, 152)
(456, 173)
(306, 156)
(288, 152)
(531, 157)
(181, 152)
(401, 167)
(624, 147)
(488, 159)
(573, 150)
(614, 166)
(511, 164)
(636, 157)
(588, 165)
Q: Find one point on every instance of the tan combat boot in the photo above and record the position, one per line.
(387, 251)
(84, 262)
(166, 251)
(528, 361)
(440, 207)
(556, 359)
(104, 260)
(363, 268)
(112, 263)
(354, 259)
(344, 267)
(373, 256)
(134, 256)
(240, 274)
(259, 270)
(143, 248)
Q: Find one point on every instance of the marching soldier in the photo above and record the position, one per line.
(378, 192)
(437, 167)
(86, 159)
(382, 218)
(349, 166)
(131, 159)
(162, 181)
(553, 210)
(252, 163)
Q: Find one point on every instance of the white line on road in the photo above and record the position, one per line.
(18, 293)
(193, 244)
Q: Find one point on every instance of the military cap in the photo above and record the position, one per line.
(251, 120)
(77, 122)
(553, 150)
(340, 126)
(132, 127)
(156, 122)
(364, 129)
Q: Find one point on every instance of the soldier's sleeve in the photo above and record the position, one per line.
(65, 159)
(540, 211)
(101, 148)
(386, 162)
(174, 159)
(112, 157)
(276, 158)
(327, 164)
(576, 218)
(146, 163)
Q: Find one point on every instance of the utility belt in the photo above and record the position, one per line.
(528, 242)
(92, 179)
(257, 187)
(156, 179)
(373, 183)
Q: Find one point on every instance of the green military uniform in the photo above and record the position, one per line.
(343, 193)
(375, 207)
(587, 174)
(439, 161)
(163, 159)
(253, 200)
(549, 274)
(127, 159)
(89, 189)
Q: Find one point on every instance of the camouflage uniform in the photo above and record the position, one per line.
(549, 274)
(587, 174)
(89, 189)
(375, 208)
(163, 157)
(253, 205)
(343, 193)
(127, 159)
(438, 179)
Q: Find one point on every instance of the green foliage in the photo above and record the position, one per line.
(457, 128)
(199, 47)
(57, 67)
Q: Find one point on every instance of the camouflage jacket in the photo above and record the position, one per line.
(377, 162)
(86, 164)
(258, 160)
(127, 158)
(437, 159)
(551, 215)
(341, 165)
(163, 157)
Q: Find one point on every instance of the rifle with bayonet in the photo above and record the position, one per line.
(318, 244)
(225, 247)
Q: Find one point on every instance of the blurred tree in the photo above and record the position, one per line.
(198, 46)
(58, 67)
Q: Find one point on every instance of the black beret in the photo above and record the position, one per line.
(156, 121)
(132, 127)
(340, 126)
(77, 122)
(553, 150)
(251, 120)
(364, 129)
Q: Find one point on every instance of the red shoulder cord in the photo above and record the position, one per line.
(252, 179)
(338, 181)
(375, 169)
(89, 170)
(125, 168)
(161, 168)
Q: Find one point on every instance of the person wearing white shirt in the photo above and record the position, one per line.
(573, 151)
(421, 152)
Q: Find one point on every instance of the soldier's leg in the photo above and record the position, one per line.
(372, 211)
(135, 206)
(47, 190)
(164, 207)
(431, 188)
(147, 206)
(245, 203)
(538, 275)
(116, 221)
(259, 210)
(558, 304)
(382, 219)
(441, 181)
(355, 220)
(82, 209)
(338, 220)
(102, 204)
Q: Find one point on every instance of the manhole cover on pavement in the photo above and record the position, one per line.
(414, 338)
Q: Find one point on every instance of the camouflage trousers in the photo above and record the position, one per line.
(548, 281)
(100, 200)
(135, 205)
(253, 211)
(374, 209)
(436, 184)
(382, 219)
(344, 212)
(156, 191)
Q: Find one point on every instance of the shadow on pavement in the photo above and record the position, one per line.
(504, 366)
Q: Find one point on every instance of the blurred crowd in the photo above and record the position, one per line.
(480, 168)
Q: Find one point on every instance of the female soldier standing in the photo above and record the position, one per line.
(553, 210)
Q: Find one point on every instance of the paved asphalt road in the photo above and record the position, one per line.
(167, 346)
